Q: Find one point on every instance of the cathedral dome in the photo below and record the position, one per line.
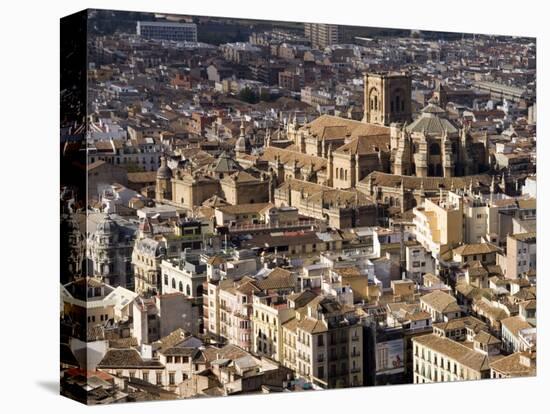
(432, 121)
(164, 172)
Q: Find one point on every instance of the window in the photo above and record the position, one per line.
(173, 283)
(435, 149)
(320, 340)
(159, 378)
(320, 372)
(145, 376)
(172, 378)
(188, 290)
(166, 280)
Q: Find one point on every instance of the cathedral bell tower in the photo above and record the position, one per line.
(387, 98)
(163, 188)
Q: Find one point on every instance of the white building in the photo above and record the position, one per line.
(186, 275)
(179, 32)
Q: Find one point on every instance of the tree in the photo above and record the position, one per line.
(266, 96)
(248, 95)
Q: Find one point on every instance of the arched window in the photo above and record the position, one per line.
(375, 102)
(435, 149)
(180, 286)
(173, 283)
(397, 106)
(341, 173)
(346, 175)
(188, 290)
(166, 280)
(337, 173)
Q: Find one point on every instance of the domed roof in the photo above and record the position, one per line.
(107, 226)
(164, 172)
(432, 121)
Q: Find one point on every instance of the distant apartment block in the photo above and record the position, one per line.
(322, 35)
(179, 32)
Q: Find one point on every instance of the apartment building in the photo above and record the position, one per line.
(514, 333)
(180, 32)
(324, 344)
(322, 35)
(270, 312)
(439, 224)
(418, 261)
(92, 302)
(521, 254)
(485, 253)
(235, 311)
(185, 274)
(230, 309)
(438, 359)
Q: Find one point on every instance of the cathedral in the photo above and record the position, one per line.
(432, 146)
(322, 167)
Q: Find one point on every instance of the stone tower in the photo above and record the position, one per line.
(163, 189)
(242, 145)
(387, 98)
(403, 155)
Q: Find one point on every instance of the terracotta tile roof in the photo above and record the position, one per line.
(366, 145)
(142, 177)
(240, 177)
(243, 208)
(428, 183)
(440, 301)
(278, 279)
(460, 323)
(341, 127)
(312, 325)
(486, 338)
(288, 157)
(126, 358)
(514, 324)
(476, 248)
(513, 365)
(291, 324)
(454, 350)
